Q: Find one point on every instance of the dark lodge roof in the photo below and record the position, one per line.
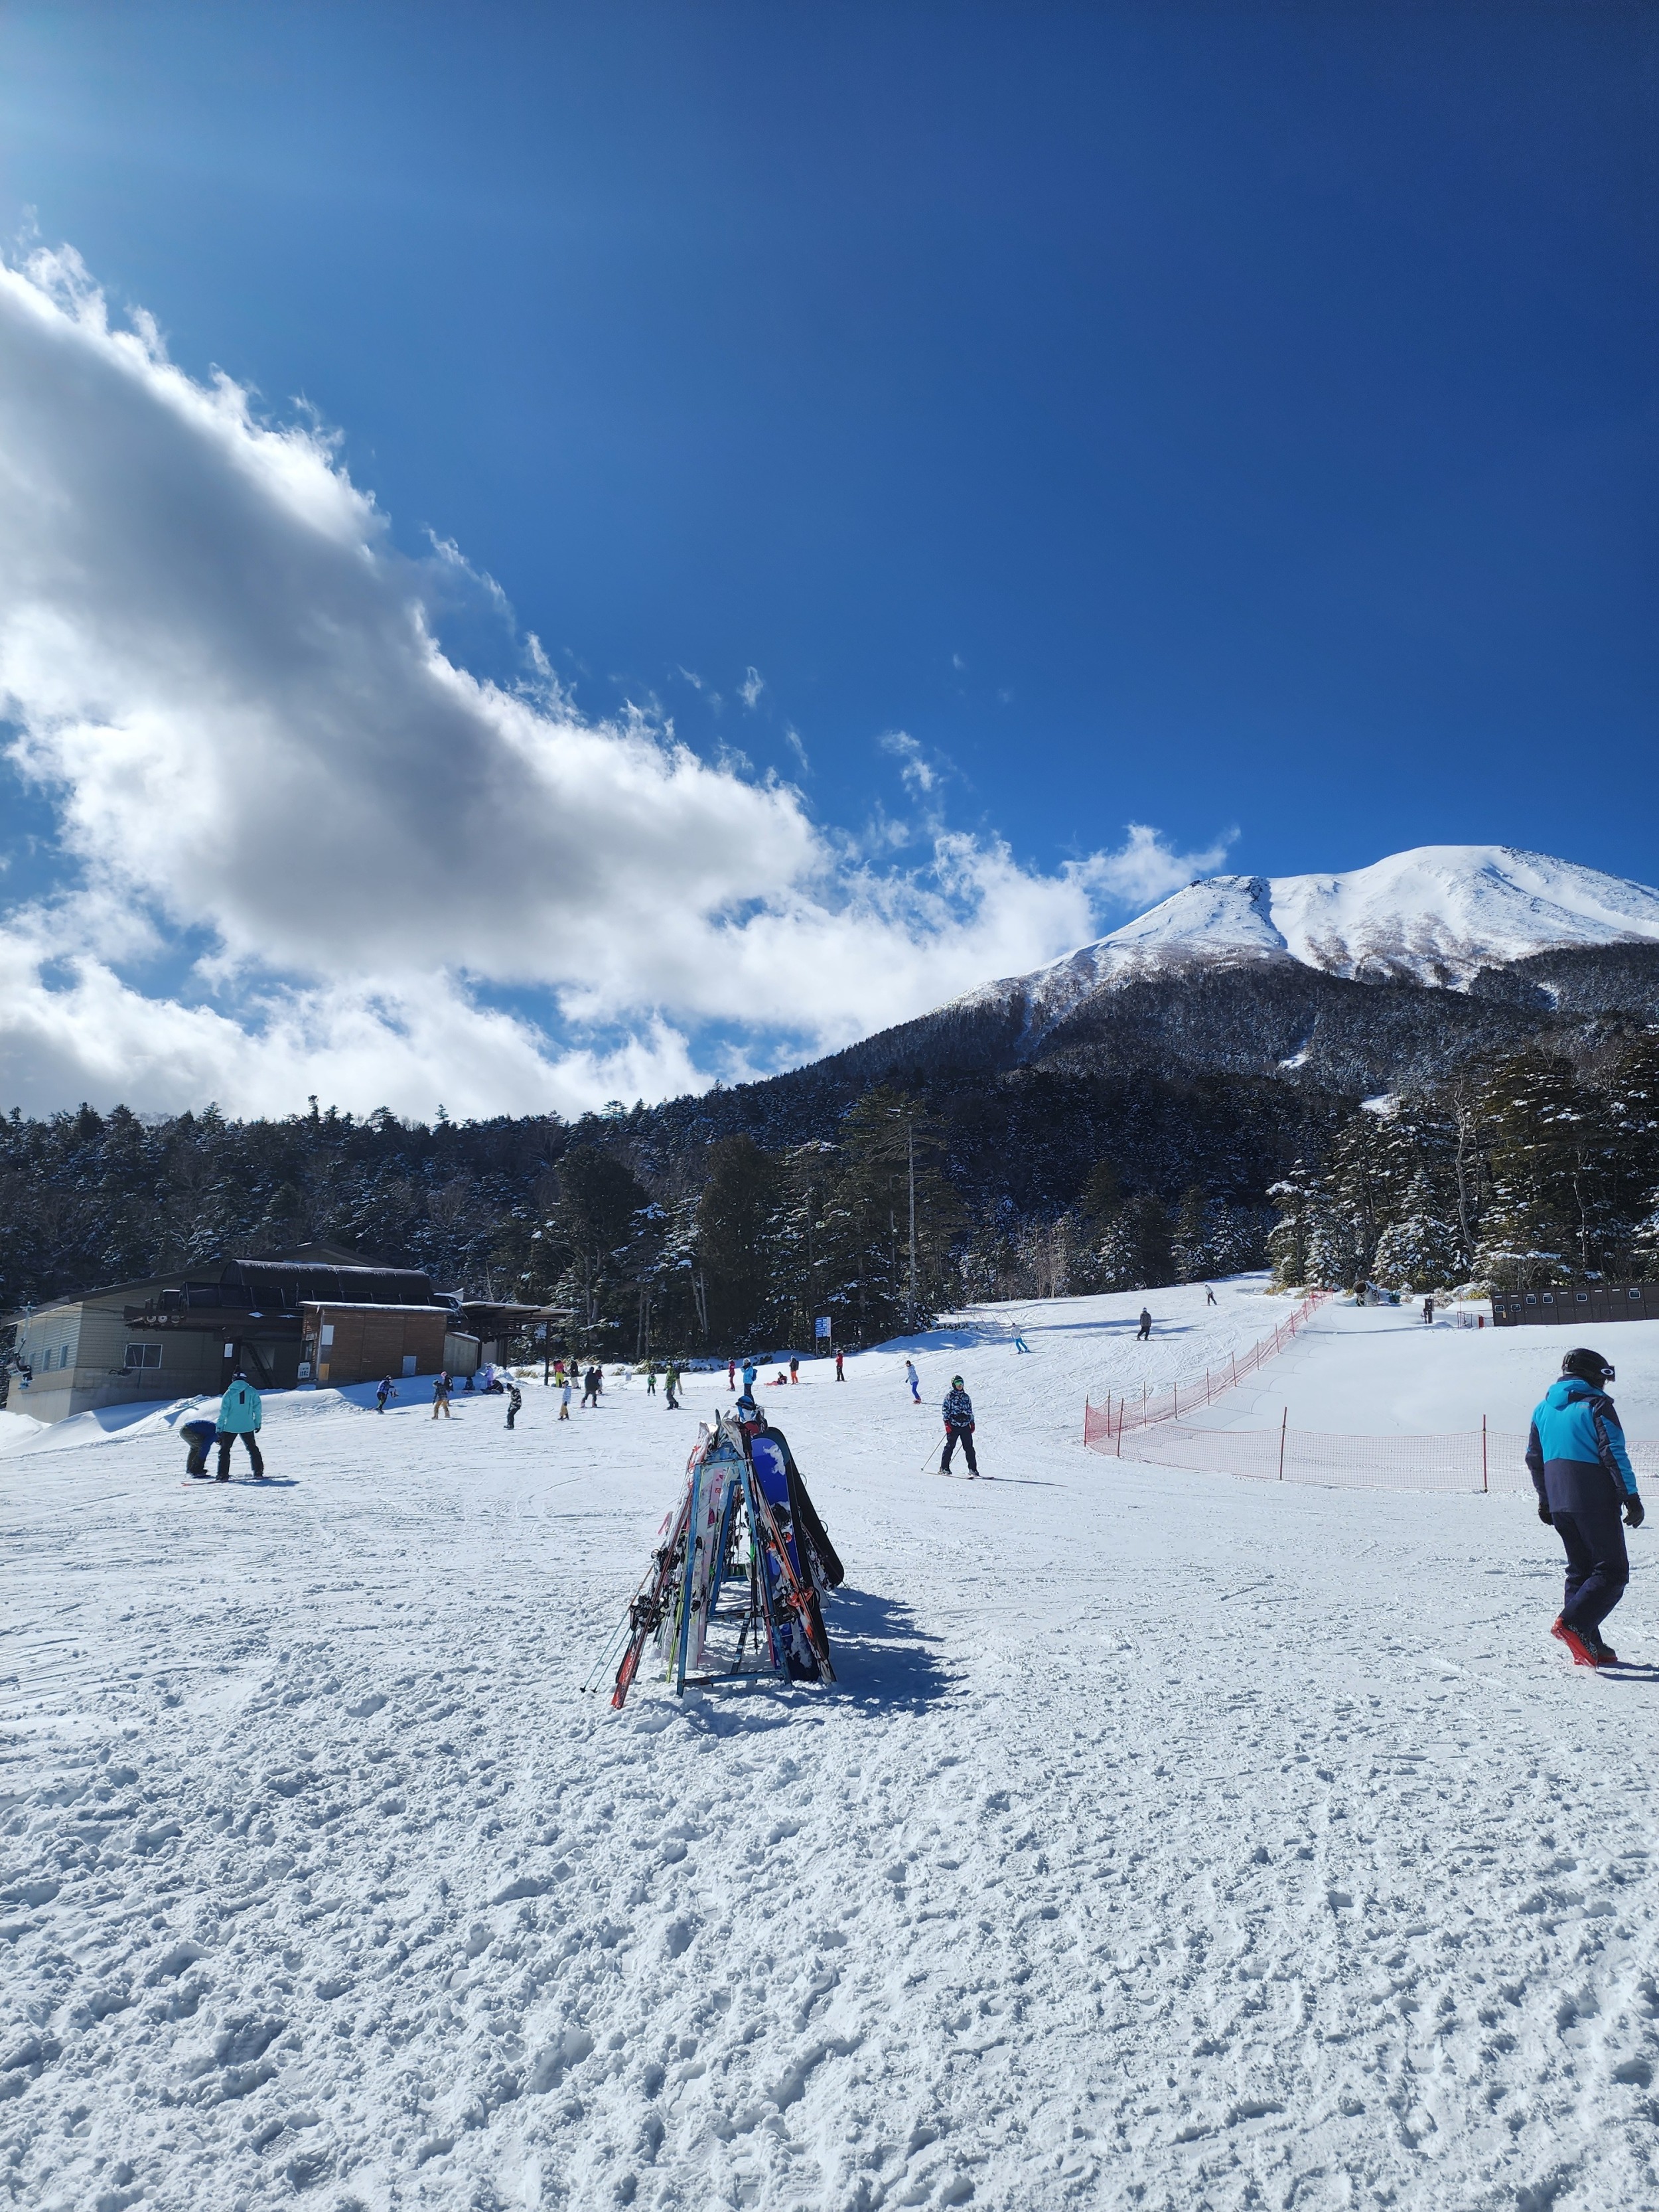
(281, 1286)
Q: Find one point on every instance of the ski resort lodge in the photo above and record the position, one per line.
(320, 1315)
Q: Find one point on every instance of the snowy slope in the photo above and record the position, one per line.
(1436, 914)
(1168, 1841)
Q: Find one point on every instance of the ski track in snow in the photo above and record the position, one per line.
(1168, 1840)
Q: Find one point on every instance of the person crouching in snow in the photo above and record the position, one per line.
(1581, 1472)
(958, 1426)
(241, 1414)
(198, 1435)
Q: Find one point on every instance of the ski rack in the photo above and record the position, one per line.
(678, 1603)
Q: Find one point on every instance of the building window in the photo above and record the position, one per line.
(143, 1355)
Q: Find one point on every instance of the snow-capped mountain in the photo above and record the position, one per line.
(1437, 915)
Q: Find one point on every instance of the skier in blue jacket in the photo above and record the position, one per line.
(1582, 1472)
(241, 1414)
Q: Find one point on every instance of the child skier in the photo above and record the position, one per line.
(564, 1398)
(1581, 1472)
(914, 1380)
(958, 1426)
(514, 1399)
(840, 1376)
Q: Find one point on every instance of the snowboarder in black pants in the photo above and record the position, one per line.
(1145, 1328)
(1581, 1472)
(514, 1399)
(958, 1411)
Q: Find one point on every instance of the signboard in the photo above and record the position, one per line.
(821, 1326)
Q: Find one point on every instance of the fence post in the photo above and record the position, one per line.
(1283, 1425)
(1482, 1451)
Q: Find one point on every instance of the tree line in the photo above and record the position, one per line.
(1529, 1168)
(724, 1243)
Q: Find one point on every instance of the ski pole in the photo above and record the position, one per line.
(927, 1467)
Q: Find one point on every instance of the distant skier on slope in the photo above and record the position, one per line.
(671, 1385)
(914, 1380)
(592, 1382)
(1209, 1295)
(1146, 1329)
(514, 1399)
(1428, 1311)
(840, 1371)
(1581, 1472)
(959, 1410)
(241, 1414)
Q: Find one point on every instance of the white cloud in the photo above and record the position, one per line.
(224, 677)
(791, 738)
(751, 688)
(1144, 869)
(916, 771)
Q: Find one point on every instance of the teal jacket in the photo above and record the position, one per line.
(240, 1413)
(1576, 1448)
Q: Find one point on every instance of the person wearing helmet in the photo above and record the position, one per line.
(958, 1426)
(1581, 1472)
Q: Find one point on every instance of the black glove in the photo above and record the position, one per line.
(1544, 1514)
(1635, 1513)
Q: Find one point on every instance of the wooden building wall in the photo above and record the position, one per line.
(360, 1344)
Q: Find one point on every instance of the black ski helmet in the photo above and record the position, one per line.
(956, 1381)
(1589, 1366)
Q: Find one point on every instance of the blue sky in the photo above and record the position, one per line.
(1208, 417)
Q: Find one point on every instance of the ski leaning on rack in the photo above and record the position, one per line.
(743, 1551)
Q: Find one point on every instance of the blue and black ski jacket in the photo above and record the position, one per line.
(959, 1410)
(1577, 1448)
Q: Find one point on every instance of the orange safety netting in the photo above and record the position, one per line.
(1482, 1459)
(1104, 1424)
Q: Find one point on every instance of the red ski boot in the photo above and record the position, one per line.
(1584, 1650)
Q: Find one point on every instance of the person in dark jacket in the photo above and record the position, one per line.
(1581, 1472)
(592, 1382)
(958, 1426)
(198, 1435)
(1145, 1328)
(514, 1399)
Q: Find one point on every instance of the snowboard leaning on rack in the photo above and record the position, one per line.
(735, 1581)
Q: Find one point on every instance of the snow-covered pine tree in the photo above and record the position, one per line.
(1418, 1250)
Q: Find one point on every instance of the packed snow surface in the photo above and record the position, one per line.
(1168, 1840)
(1436, 915)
